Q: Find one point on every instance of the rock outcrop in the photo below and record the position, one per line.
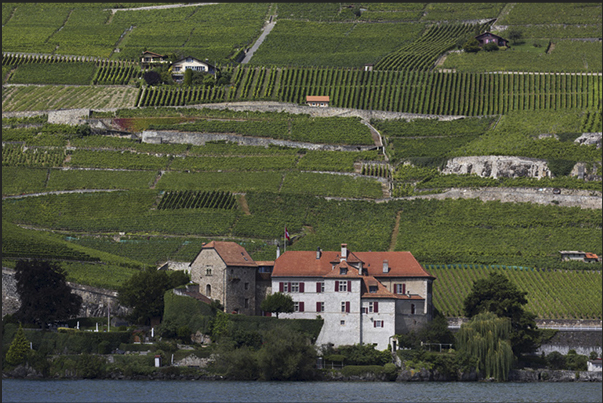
(494, 166)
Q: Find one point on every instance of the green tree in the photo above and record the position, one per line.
(498, 295)
(152, 77)
(486, 337)
(489, 47)
(286, 356)
(188, 77)
(44, 293)
(19, 348)
(471, 46)
(144, 291)
(514, 35)
(277, 303)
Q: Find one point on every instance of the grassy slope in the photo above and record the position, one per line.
(367, 226)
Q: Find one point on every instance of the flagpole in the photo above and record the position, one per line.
(285, 239)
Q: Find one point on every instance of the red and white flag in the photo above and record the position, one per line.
(287, 234)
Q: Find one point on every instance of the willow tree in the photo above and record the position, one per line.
(486, 337)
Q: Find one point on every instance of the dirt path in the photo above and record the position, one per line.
(114, 10)
(265, 31)
(244, 205)
(392, 244)
(59, 192)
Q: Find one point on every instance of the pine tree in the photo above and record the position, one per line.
(19, 347)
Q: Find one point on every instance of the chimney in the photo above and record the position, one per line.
(360, 268)
(278, 251)
(318, 253)
(385, 266)
(344, 252)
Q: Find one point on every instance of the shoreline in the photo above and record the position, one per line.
(404, 376)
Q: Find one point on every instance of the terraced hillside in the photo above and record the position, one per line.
(153, 170)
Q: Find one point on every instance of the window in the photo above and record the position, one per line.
(345, 306)
(320, 307)
(343, 286)
(208, 271)
(208, 290)
(246, 302)
(372, 289)
(298, 306)
(176, 68)
(343, 271)
(320, 286)
(399, 288)
(294, 287)
(342, 323)
(378, 323)
(246, 286)
(412, 309)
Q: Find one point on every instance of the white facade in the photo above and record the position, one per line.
(189, 63)
(357, 306)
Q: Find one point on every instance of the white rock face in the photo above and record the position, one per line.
(494, 166)
(589, 139)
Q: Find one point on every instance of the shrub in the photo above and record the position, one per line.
(152, 77)
(471, 46)
(489, 47)
(556, 360)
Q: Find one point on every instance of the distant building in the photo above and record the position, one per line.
(179, 67)
(594, 365)
(363, 297)
(567, 255)
(149, 59)
(369, 67)
(488, 37)
(320, 101)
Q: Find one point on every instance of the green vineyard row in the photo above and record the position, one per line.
(422, 53)
(189, 199)
(549, 293)
(435, 93)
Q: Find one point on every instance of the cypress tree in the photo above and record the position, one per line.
(18, 348)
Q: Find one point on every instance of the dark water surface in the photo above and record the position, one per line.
(16, 390)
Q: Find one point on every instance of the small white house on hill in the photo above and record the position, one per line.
(179, 67)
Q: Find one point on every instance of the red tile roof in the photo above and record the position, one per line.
(317, 98)
(231, 253)
(151, 53)
(591, 256)
(305, 264)
(382, 292)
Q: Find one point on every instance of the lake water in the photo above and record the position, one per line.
(16, 390)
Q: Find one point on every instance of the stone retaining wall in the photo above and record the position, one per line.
(199, 139)
(95, 301)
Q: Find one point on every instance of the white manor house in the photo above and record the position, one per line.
(363, 297)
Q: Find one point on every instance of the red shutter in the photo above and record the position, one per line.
(318, 287)
(301, 287)
(288, 287)
(281, 286)
(318, 306)
(403, 288)
(375, 324)
(336, 285)
(376, 307)
(349, 286)
(301, 306)
(347, 306)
